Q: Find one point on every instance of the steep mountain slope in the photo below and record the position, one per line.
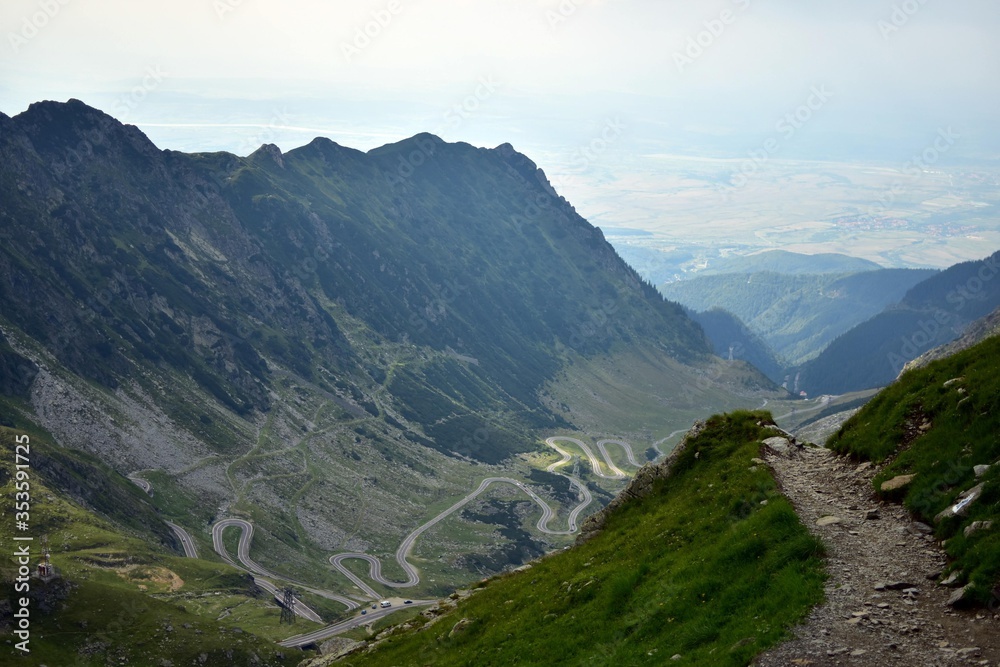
(975, 333)
(932, 313)
(730, 336)
(797, 315)
(228, 261)
(333, 345)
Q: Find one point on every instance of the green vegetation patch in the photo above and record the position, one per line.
(702, 568)
(939, 423)
(117, 598)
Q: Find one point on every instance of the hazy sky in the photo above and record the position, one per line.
(884, 62)
(873, 80)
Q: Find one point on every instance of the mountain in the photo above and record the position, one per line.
(333, 346)
(789, 263)
(729, 336)
(797, 315)
(932, 313)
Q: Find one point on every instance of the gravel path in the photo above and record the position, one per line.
(883, 607)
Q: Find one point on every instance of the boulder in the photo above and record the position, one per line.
(953, 580)
(981, 470)
(459, 627)
(897, 483)
(961, 507)
(959, 597)
(829, 521)
(778, 445)
(977, 526)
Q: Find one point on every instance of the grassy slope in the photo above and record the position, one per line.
(700, 568)
(965, 432)
(118, 595)
(639, 394)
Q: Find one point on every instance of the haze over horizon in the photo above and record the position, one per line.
(647, 115)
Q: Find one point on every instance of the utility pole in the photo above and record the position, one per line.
(288, 606)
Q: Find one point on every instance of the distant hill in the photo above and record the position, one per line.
(932, 313)
(790, 263)
(666, 265)
(730, 336)
(797, 315)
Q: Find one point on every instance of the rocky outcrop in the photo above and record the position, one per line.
(333, 651)
(640, 486)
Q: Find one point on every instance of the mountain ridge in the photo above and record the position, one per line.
(308, 341)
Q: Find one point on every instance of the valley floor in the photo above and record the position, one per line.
(870, 616)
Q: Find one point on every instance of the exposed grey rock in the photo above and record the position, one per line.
(981, 470)
(953, 579)
(897, 483)
(959, 597)
(338, 647)
(778, 444)
(829, 521)
(977, 526)
(961, 507)
(459, 627)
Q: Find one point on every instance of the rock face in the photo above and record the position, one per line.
(640, 486)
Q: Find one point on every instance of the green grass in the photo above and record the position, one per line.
(699, 569)
(120, 596)
(964, 433)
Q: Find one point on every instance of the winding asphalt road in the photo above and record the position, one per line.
(190, 549)
(142, 484)
(406, 546)
(243, 555)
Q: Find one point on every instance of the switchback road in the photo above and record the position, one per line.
(243, 555)
(403, 552)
